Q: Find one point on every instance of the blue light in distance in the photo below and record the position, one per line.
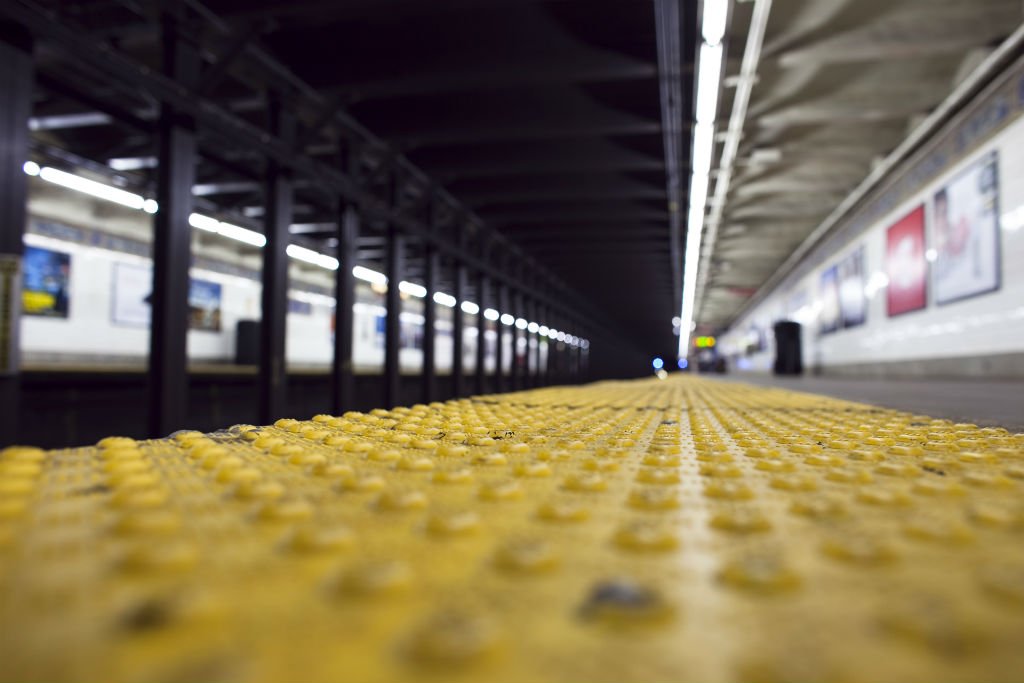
(683, 363)
(658, 363)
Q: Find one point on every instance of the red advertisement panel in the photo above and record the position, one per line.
(905, 264)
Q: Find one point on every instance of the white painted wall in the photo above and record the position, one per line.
(983, 325)
(89, 332)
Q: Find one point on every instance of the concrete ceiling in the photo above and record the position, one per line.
(840, 84)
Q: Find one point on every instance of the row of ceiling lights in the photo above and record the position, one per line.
(300, 253)
(709, 76)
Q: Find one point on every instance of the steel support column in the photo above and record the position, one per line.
(519, 363)
(16, 78)
(168, 360)
(501, 333)
(431, 262)
(393, 322)
(542, 362)
(461, 280)
(481, 338)
(277, 216)
(345, 298)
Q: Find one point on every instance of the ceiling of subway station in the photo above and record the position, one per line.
(840, 84)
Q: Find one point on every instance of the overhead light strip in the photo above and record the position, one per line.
(711, 56)
(255, 239)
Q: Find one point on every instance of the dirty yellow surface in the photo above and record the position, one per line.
(679, 530)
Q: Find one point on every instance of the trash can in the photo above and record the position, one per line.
(247, 342)
(788, 351)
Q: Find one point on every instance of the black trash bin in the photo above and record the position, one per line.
(788, 351)
(247, 342)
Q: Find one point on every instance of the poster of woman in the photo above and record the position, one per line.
(965, 220)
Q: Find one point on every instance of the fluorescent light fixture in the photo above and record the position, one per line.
(300, 253)
(409, 317)
(521, 323)
(368, 275)
(507, 319)
(198, 220)
(698, 191)
(412, 289)
(91, 187)
(533, 328)
(241, 234)
(31, 168)
(709, 74)
(491, 314)
(444, 299)
(132, 163)
(703, 148)
(62, 121)
(712, 27)
(470, 308)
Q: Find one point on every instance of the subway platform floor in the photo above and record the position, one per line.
(987, 403)
(656, 530)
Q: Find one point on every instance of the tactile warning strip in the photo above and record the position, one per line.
(630, 531)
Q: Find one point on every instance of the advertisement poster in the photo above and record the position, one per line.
(966, 233)
(45, 282)
(852, 302)
(410, 334)
(204, 305)
(829, 318)
(132, 288)
(905, 264)
(381, 331)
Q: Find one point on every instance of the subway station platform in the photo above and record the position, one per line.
(985, 402)
(685, 529)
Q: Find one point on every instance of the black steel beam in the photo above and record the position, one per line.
(496, 76)
(501, 304)
(431, 272)
(461, 278)
(674, 110)
(229, 55)
(393, 321)
(481, 335)
(277, 216)
(343, 395)
(168, 375)
(483, 134)
(16, 77)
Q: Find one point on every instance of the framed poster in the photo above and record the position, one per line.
(965, 229)
(905, 264)
(302, 308)
(45, 282)
(133, 286)
(852, 302)
(829, 291)
(204, 305)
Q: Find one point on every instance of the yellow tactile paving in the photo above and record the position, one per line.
(633, 531)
